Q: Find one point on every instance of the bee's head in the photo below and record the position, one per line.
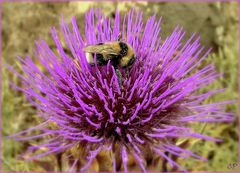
(127, 55)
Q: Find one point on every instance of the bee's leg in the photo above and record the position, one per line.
(127, 72)
(119, 75)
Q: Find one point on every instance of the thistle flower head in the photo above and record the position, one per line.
(152, 106)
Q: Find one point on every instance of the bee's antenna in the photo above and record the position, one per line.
(119, 36)
(127, 72)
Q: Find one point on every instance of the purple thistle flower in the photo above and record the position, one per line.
(153, 106)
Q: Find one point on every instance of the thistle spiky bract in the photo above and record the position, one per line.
(155, 105)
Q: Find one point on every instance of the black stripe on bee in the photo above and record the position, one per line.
(100, 59)
(115, 61)
(124, 49)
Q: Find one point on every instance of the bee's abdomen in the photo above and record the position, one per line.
(100, 59)
(124, 49)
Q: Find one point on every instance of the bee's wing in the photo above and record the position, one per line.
(105, 49)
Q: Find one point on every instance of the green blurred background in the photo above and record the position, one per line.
(216, 23)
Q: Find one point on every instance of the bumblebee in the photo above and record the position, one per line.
(119, 53)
